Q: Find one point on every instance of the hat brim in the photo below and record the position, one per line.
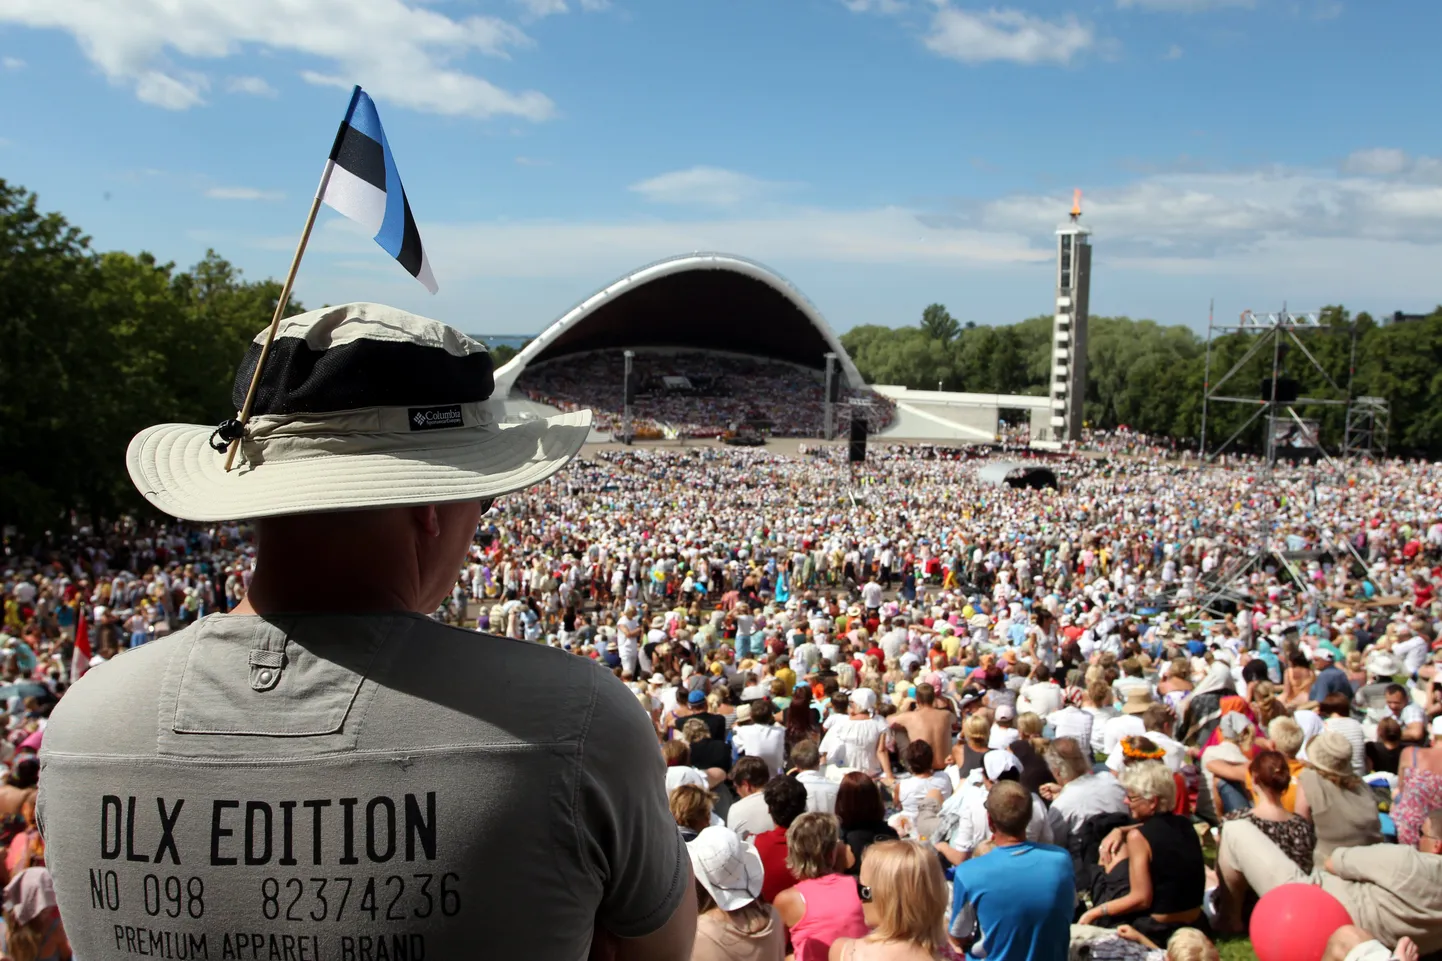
(175, 468)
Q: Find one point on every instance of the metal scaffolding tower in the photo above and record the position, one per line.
(1369, 419)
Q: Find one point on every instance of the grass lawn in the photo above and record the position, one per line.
(1236, 948)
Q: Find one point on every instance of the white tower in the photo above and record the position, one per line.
(1069, 327)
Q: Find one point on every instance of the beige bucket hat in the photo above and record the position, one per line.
(358, 406)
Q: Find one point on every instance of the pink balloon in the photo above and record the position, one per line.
(1293, 922)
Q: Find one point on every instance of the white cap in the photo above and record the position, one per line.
(864, 699)
(998, 763)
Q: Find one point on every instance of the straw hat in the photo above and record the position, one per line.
(1331, 753)
(358, 406)
(1139, 699)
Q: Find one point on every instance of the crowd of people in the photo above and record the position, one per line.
(695, 394)
(907, 714)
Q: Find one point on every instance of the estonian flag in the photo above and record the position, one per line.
(361, 182)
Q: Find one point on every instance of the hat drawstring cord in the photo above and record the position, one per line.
(228, 431)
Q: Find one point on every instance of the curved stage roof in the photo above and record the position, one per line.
(697, 302)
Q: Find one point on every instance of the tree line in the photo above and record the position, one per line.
(1149, 377)
(95, 346)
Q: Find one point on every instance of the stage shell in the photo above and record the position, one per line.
(700, 301)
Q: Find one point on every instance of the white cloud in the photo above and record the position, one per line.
(404, 52)
(524, 161)
(1184, 6)
(595, 6)
(706, 186)
(542, 8)
(1010, 35)
(874, 6)
(243, 193)
(1174, 52)
(255, 86)
(1377, 161)
(12, 63)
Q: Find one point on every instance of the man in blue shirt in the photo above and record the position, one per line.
(1019, 897)
(1331, 679)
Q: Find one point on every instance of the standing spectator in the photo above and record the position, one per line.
(733, 923)
(969, 751)
(749, 816)
(1333, 798)
(1330, 678)
(903, 901)
(691, 807)
(1019, 896)
(785, 801)
(763, 737)
(925, 781)
(825, 903)
(862, 816)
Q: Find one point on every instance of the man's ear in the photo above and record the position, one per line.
(424, 516)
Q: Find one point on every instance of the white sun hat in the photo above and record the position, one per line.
(728, 868)
(358, 406)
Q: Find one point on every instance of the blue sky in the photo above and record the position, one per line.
(882, 154)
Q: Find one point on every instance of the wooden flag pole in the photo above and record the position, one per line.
(285, 289)
(275, 320)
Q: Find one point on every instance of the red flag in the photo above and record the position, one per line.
(80, 662)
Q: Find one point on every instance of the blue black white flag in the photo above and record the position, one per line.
(361, 182)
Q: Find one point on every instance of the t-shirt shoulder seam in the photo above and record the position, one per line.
(585, 734)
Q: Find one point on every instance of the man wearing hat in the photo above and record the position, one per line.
(328, 765)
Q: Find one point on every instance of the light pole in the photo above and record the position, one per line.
(627, 390)
(832, 391)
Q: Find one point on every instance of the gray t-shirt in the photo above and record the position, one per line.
(349, 787)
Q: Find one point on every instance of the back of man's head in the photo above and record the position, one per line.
(1065, 759)
(1008, 807)
(785, 800)
(805, 755)
(1157, 718)
(925, 694)
(751, 771)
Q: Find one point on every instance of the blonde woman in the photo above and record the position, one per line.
(968, 751)
(691, 808)
(904, 901)
(824, 904)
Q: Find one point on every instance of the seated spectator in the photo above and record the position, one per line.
(1271, 780)
(708, 755)
(964, 825)
(862, 814)
(732, 922)
(1079, 793)
(1391, 890)
(1336, 711)
(785, 802)
(32, 929)
(1286, 736)
(678, 767)
(749, 816)
(1186, 944)
(1019, 896)
(1384, 755)
(967, 753)
(925, 782)
(1419, 788)
(1155, 875)
(691, 807)
(825, 903)
(1224, 765)
(820, 790)
(903, 901)
(1334, 799)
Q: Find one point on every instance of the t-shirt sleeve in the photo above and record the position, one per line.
(1380, 864)
(628, 838)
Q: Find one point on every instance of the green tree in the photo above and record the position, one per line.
(939, 325)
